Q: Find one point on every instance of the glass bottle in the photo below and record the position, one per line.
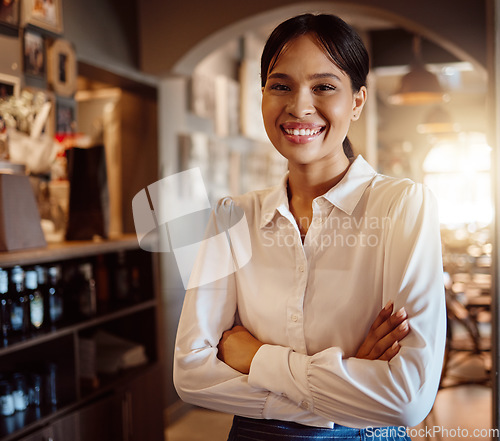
(55, 294)
(20, 392)
(87, 291)
(51, 384)
(35, 390)
(5, 303)
(35, 300)
(6, 399)
(20, 310)
(43, 287)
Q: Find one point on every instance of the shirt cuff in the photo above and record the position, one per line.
(283, 372)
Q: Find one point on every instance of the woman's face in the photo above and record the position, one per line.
(308, 104)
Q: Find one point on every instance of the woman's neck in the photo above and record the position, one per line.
(307, 182)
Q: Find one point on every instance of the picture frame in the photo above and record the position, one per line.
(61, 67)
(9, 12)
(9, 86)
(45, 14)
(34, 54)
(65, 116)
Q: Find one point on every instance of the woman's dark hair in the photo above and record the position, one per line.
(339, 40)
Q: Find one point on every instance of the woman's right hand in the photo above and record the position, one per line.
(382, 341)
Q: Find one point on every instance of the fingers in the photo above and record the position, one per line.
(372, 337)
(383, 315)
(386, 345)
(390, 353)
(385, 331)
(390, 324)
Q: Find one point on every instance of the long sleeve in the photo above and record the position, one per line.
(199, 376)
(360, 393)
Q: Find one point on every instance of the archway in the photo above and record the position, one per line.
(349, 12)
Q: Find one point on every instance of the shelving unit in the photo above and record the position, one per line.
(126, 405)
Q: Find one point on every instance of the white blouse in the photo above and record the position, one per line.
(372, 239)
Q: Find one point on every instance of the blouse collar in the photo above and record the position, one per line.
(345, 195)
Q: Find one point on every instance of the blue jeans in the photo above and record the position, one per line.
(247, 429)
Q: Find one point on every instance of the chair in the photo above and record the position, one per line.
(467, 356)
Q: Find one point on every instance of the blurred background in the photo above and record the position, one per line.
(168, 86)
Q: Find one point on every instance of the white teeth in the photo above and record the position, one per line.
(302, 132)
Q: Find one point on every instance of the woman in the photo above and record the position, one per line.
(297, 342)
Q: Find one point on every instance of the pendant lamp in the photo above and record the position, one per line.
(419, 86)
(438, 121)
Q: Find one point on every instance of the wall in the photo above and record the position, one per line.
(177, 27)
(105, 34)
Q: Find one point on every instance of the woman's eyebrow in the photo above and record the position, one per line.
(319, 76)
(316, 76)
(278, 75)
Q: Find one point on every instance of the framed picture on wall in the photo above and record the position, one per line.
(9, 12)
(61, 67)
(65, 116)
(45, 14)
(34, 54)
(9, 86)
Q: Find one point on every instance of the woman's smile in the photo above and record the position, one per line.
(301, 133)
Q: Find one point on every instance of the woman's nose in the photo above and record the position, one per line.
(300, 104)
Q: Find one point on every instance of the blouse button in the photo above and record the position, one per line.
(295, 317)
(301, 268)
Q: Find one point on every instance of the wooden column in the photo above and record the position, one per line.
(493, 23)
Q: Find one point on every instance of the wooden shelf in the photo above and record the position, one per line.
(46, 336)
(66, 250)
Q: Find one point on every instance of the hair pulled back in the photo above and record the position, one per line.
(340, 42)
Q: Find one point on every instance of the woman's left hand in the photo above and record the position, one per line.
(237, 347)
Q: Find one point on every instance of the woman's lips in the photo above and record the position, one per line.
(301, 133)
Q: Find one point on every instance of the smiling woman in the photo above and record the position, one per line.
(315, 96)
(297, 342)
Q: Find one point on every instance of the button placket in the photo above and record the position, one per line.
(295, 306)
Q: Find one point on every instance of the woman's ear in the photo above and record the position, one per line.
(359, 100)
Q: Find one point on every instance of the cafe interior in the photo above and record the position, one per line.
(100, 99)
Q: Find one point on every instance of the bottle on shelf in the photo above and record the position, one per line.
(51, 385)
(87, 291)
(20, 309)
(35, 300)
(6, 399)
(35, 389)
(5, 303)
(20, 392)
(43, 287)
(55, 295)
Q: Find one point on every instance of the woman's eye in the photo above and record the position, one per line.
(324, 88)
(279, 87)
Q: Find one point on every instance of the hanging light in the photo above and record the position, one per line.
(438, 121)
(419, 86)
